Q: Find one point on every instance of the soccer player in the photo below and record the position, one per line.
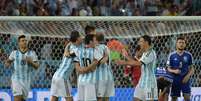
(90, 30)
(164, 82)
(105, 80)
(25, 63)
(146, 89)
(182, 62)
(85, 65)
(134, 70)
(61, 86)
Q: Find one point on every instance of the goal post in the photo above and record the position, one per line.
(127, 26)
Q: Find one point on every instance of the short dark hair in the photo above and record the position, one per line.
(88, 38)
(74, 36)
(20, 37)
(89, 28)
(100, 37)
(137, 48)
(180, 38)
(147, 38)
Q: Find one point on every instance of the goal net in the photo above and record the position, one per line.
(49, 35)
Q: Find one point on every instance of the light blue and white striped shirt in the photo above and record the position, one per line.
(148, 79)
(23, 72)
(85, 56)
(103, 71)
(66, 67)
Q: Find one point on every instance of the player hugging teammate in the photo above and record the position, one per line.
(92, 63)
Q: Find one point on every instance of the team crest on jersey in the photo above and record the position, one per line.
(185, 59)
(175, 59)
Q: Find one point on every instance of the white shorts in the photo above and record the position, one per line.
(105, 89)
(19, 89)
(144, 95)
(60, 87)
(86, 92)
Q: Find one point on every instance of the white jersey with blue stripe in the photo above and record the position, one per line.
(103, 71)
(148, 79)
(23, 72)
(85, 56)
(66, 67)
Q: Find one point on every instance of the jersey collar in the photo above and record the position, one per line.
(22, 51)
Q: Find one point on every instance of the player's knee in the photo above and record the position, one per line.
(69, 98)
(174, 98)
(54, 98)
(136, 99)
(18, 98)
(99, 98)
(186, 97)
(107, 99)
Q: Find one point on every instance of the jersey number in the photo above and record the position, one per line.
(23, 62)
(150, 95)
(86, 61)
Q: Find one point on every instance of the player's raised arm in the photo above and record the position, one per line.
(90, 68)
(132, 61)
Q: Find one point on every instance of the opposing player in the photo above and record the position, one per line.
(146, 89)
(182, 62)
(25, 63)
(105, 81)
(85, 64)
(164, 82)
(61, 86)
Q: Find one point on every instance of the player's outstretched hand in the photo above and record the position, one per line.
(66, 53)
(119, 62)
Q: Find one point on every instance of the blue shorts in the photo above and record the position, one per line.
(178, 87)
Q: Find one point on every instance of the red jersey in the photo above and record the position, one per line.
(136, 73)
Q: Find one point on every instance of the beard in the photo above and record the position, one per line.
(181, 49)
